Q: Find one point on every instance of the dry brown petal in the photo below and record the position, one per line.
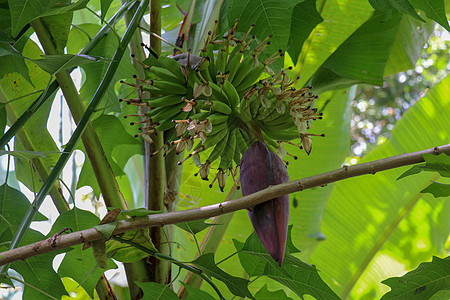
(204, 170)
(306, 143)
(222, 179)
(181, 128)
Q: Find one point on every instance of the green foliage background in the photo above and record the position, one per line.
(357, 232)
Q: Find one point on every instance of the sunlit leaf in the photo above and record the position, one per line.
(304, 18)
(375, 225)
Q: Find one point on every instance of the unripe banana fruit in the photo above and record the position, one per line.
(223, 99)
(261, 168)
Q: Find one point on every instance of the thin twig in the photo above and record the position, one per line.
(205, 212)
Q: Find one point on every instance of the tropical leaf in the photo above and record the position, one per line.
(157, 291)
(304, 18)
(421, 283)
(196, 294)
(34, 135)
(13, 206)
(265, 294)
(236, 285)
(437, 163)
(85, 272)
(52, 64)
(330, 34)
(375, 225)
(38, 273)
(194, 227)
(437, 189)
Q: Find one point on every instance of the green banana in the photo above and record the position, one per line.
(164, 113)
(221, 107)
(167, 123)
(213, 139)
(218, 149)
(284, 135)
(244, 111)
(250, 79)
(170, 87)
(171, 65)
(275, 115)
(233, 63)
(269, 141)
(164, 74)
(200, 116)
(263, 112)
(217, 118)
(211, 68)
(221, 60)
(218, 93)
(226, 158)
(163, 101)
(232, 94)
(255, 103)
(244, 67)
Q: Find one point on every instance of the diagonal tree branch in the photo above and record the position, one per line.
(271, 192)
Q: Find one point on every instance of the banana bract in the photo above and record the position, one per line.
(261, 168)
(217, 103)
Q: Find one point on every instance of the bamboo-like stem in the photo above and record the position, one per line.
(138, 271)
(156, 181)
(70, 147)
(209, 211)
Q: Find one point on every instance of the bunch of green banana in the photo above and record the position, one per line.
(220, 102)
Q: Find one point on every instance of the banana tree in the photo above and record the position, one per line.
(182, 103)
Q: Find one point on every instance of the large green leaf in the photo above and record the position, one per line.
(271, 17)
(34, 135)
(112, 134)
(377, 226)
(85, 272)
(362, 57)
(39, 274)
(298, 276)
(434, 9)
(13, 206)
(421, 283)
(341, 19)
(93, 73)
(157, 291)
(24, 11)
(405, 51)
(237, 285)
(304, 18)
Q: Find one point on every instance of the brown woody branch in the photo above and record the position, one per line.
(79, 237)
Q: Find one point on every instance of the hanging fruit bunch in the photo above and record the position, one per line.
(226, 104)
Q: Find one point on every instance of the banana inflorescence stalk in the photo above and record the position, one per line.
(218, 104)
